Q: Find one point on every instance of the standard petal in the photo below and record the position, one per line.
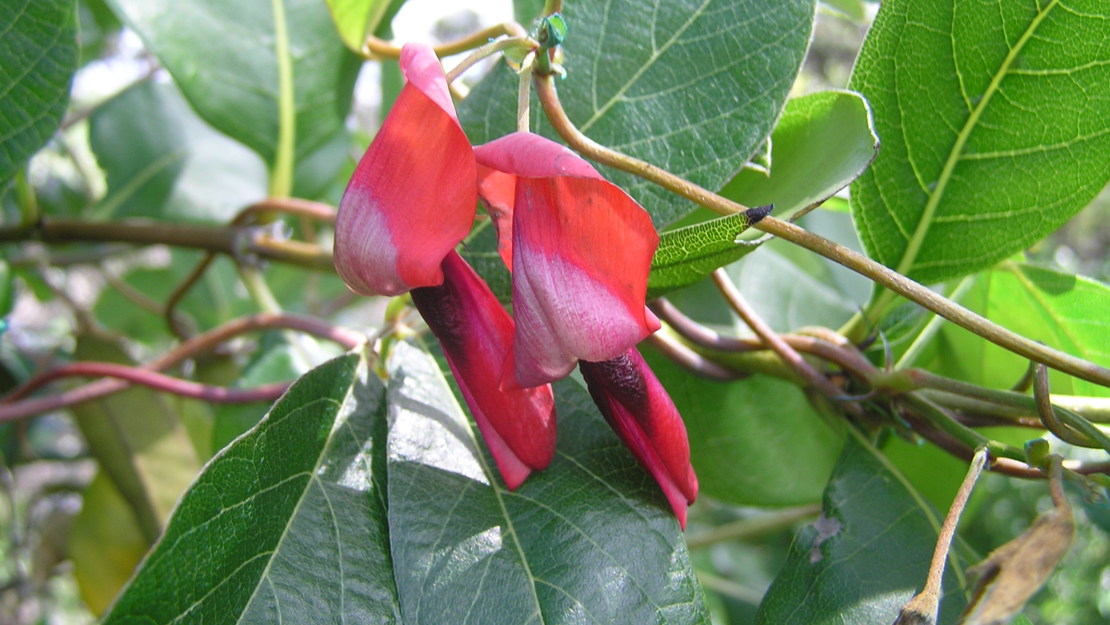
(581, 253)
(476, 335)
(412, 197)
(532, 156)
(641, 412)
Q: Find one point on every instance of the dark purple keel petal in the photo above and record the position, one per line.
(641, 412)
(476, 335)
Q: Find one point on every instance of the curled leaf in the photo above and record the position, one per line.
(1011, 574)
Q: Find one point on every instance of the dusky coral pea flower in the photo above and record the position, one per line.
(475, 332)
(411, 200)
(641, 412)
(412, 197)
(580, 250)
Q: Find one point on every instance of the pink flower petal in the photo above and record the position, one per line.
(476, 335)
(581, 253)
(498, 190)
(412, 197)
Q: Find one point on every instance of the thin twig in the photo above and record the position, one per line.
(771, 338)
(844, 355)
(691, 360)
(924, 606)
(233, 241)
(548, 96)
(753, 526)
(379, 48)
(11, 408)
(161, 382)
(485, 51)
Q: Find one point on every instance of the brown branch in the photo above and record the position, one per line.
(772, 340)
(896, 282)
(157, 381)
(233, 241)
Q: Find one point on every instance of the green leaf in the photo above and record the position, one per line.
(285, 525)
(784, 293)
(355, 19)
(853, 9)
(225, 58)
(746, 437)
(217, 297)
(105, 544)
(864, 557)
(38, 55)
(993, 119)
(138, 441)
(692, 86)
(588, 540)
(822, 142)
(146, 461)
(97, 26)
(162, 161)
(689, 254)
(1063, 311)
(6, 299)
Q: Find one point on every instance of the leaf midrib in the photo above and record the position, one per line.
(655, 55)
(927, 215)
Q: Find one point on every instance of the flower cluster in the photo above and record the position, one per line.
(579, 250)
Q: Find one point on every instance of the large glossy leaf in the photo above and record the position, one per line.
(38, 55)
(864, 557)
(225, 56)
(993, 120)
(821, 143)
(741, 431)
(1061, 310)
(588, 540)
(692, 85)
(162, 161)
(285, 525)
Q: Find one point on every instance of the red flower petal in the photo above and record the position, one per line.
(641, 412)
(498, 191)
(412, 197)
(582, 251)
(476, 334)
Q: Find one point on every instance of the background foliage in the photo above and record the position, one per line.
(364, 492)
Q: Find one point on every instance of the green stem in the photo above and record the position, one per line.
(281, 176)
(255, 282)
(753, 526)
